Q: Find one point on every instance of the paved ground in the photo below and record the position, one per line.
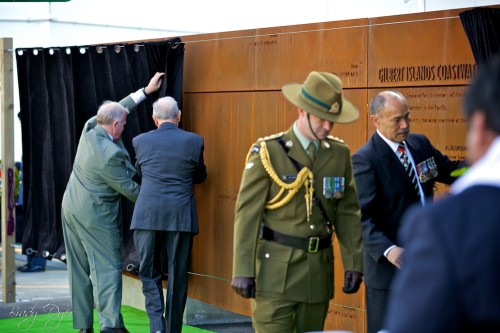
(46, 291)
(40, 286)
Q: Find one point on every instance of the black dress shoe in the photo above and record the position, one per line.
(31, 269)
(114, 330)
(86, 330)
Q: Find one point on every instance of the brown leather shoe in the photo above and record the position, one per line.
(114, 330)
(86, 330)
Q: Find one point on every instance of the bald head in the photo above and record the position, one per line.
(390, 115)
(378, 102)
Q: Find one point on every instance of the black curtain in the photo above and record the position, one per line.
(60, 88)
(482, 27)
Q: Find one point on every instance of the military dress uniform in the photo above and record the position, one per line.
(283, 237)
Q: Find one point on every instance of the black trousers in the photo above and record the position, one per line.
(164, 315)
(376, 305)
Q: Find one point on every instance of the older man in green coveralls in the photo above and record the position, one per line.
(102, 171)
(297, 192)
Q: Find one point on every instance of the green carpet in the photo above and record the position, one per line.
(136, 321)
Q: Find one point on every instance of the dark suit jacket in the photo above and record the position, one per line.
(385, 192)
(449, 280)
(170, 161)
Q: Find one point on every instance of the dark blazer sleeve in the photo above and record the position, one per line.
(375, 239)
(137, 164)
(201, 171)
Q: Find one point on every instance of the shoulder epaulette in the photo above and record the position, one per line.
(256, 147)
(271, 137)
(334, 138)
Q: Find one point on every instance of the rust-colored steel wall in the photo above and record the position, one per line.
(232, 96)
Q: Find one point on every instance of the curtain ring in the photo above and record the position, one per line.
(174, 45)
(68, 51)
(118, 48)
(137, 47)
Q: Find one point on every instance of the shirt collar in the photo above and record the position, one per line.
(304, 142)
(486, 171)
(394, 145)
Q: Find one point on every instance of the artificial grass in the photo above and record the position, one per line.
(136, 321)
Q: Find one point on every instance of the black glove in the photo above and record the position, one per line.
(352, 282)
(244, 286)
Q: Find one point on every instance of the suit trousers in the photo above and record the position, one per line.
(271, 314)
(164, 316)
(95, 271)
(376, 305)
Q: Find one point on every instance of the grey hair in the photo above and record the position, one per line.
(110, 112)
(165, 108)
(377, 103)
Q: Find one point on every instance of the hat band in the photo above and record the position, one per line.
(315, 100)
(335, 108)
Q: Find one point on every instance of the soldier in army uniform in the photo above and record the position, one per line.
(297, 192)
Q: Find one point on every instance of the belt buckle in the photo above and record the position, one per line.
(313, 245)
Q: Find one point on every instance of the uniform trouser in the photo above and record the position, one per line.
(376, 305)
(94, 269)
(271, 314)
(148, 243)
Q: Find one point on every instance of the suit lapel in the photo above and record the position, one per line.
(389, 158)
(323, 156)
(385, 152)
(416, 150)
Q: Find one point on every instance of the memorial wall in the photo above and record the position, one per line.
(232, 96)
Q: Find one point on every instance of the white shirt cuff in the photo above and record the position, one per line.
(387, 251)
(138, 96)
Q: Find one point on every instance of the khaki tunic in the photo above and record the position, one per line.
(296, 274)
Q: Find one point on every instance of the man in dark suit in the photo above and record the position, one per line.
(170, 161)
(102, 172)
(388, 182)
(296, 192)
(449, 282)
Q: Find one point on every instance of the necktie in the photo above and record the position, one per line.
(311, 149)
(403, 157)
